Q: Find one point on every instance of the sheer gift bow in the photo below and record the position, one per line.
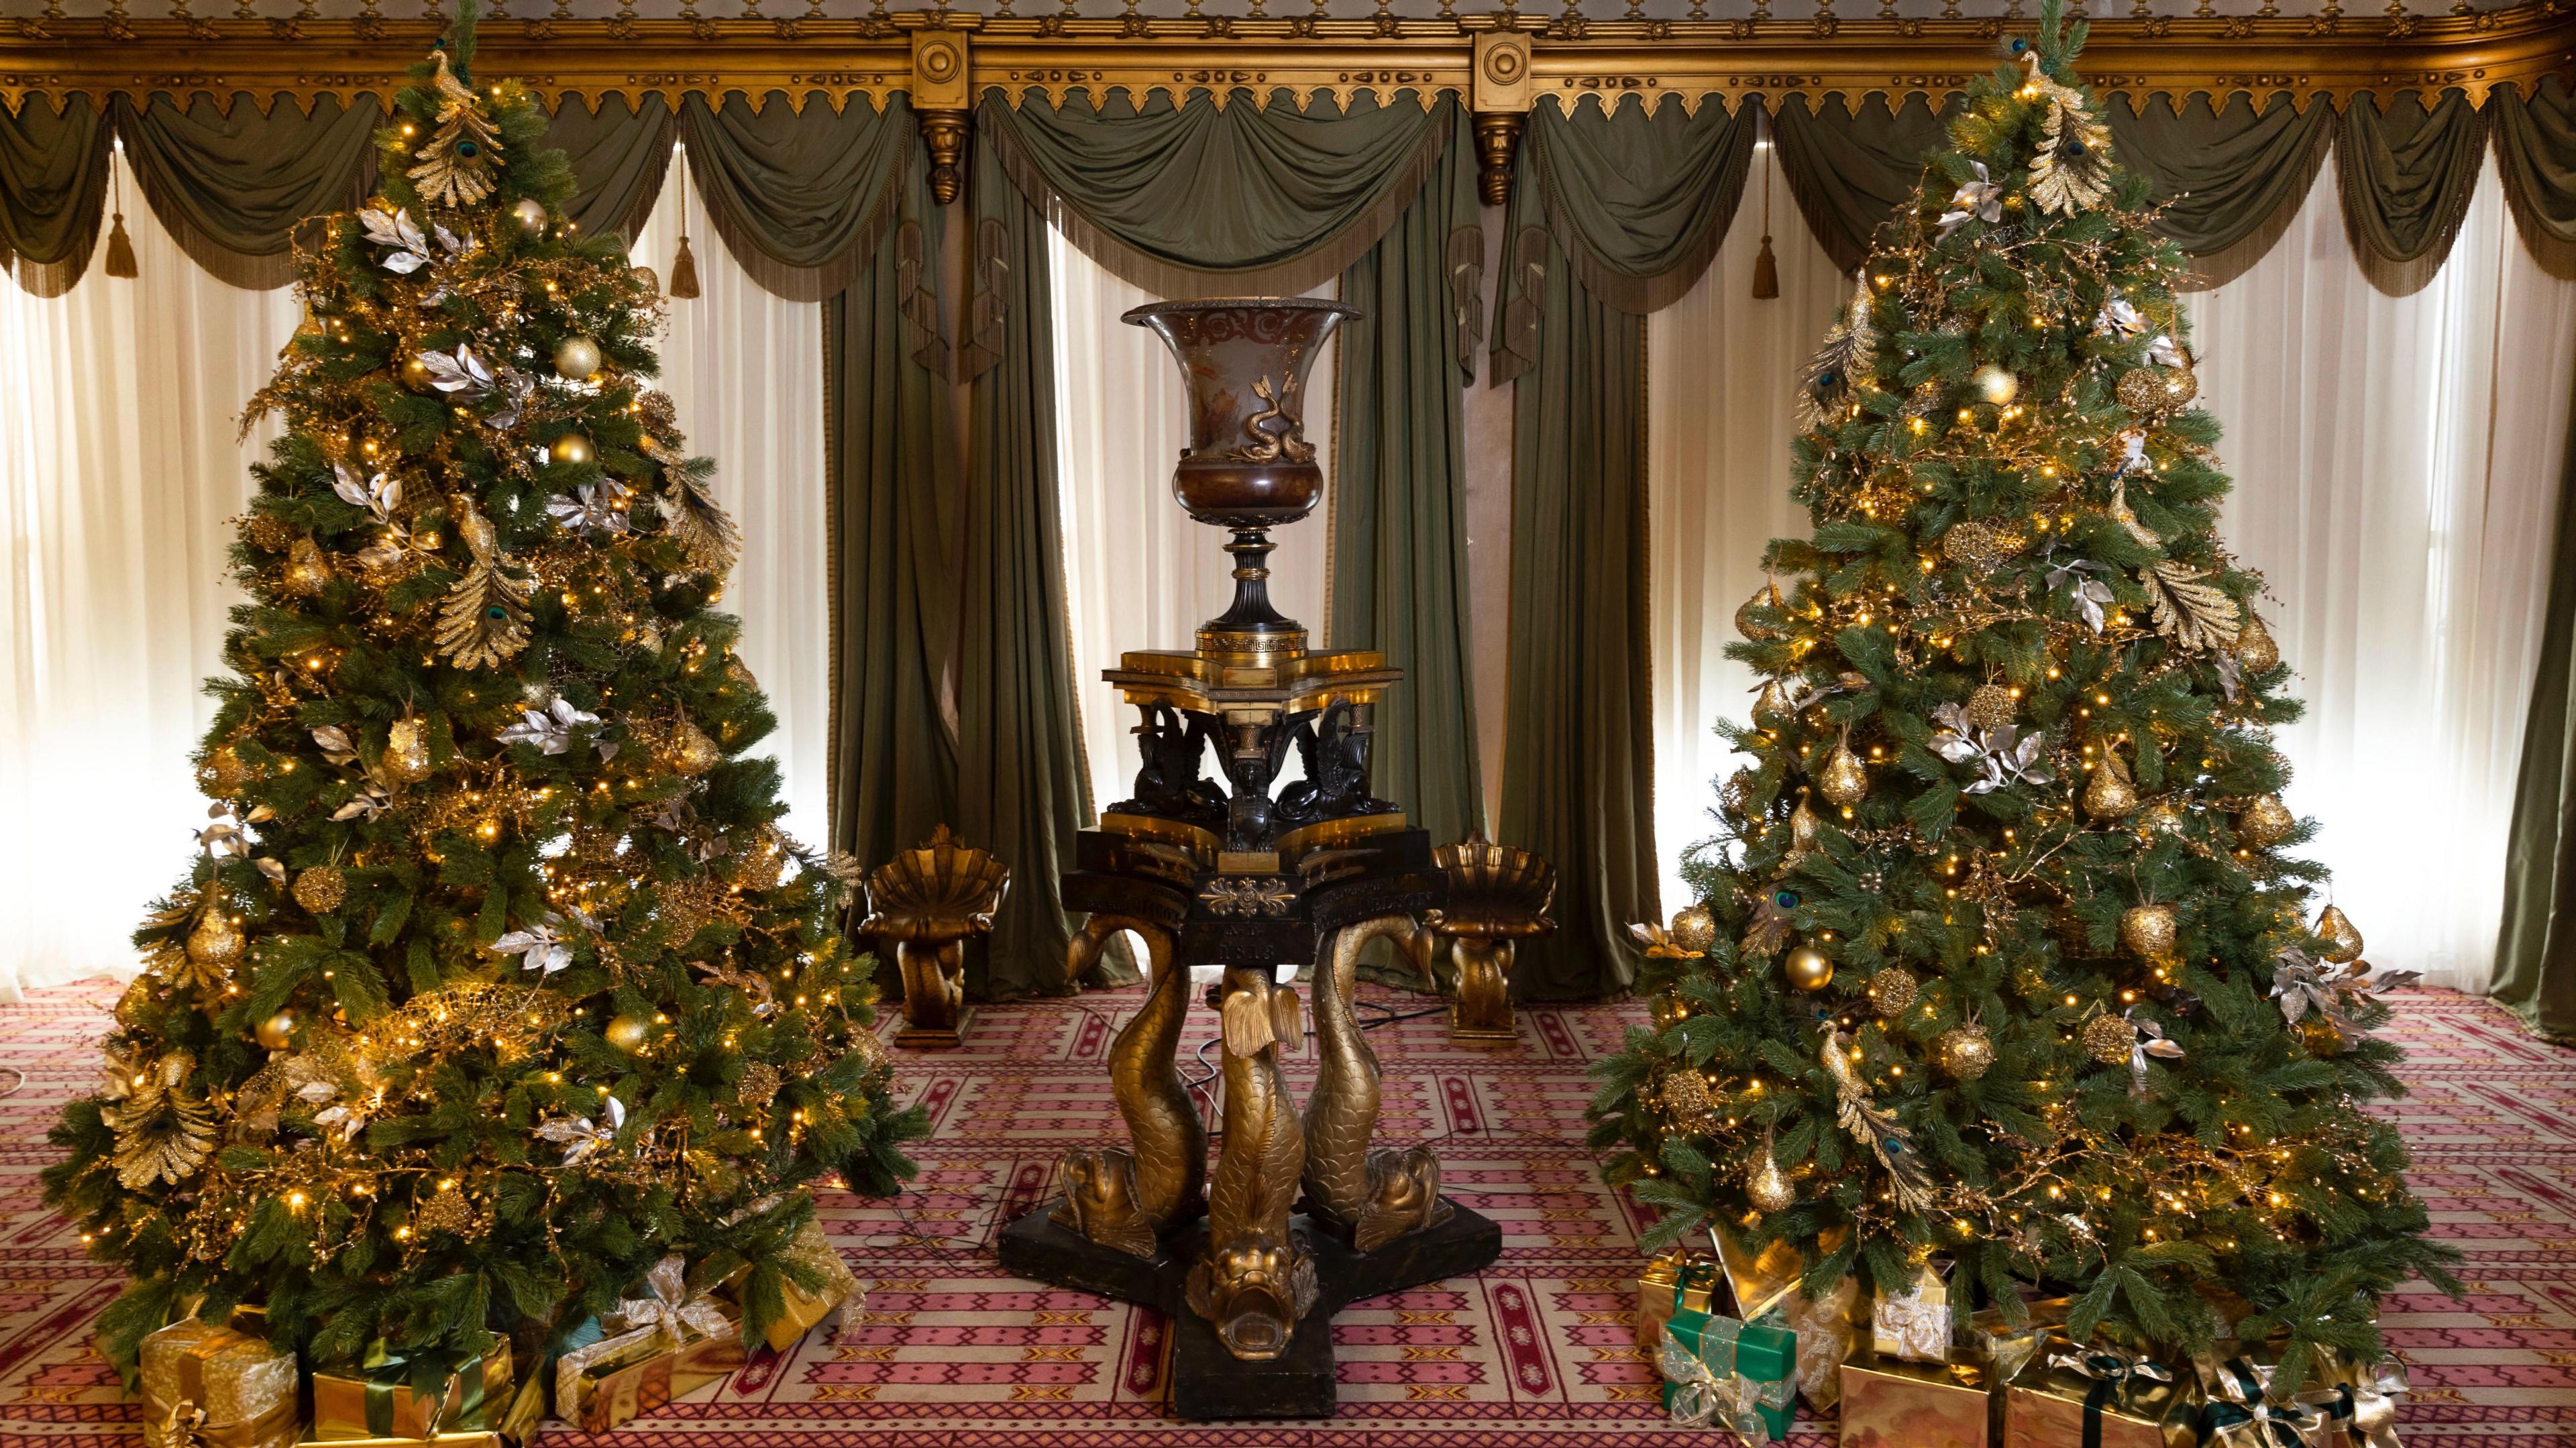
(670, 1311)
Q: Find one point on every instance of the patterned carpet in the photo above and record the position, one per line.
(952, 1354)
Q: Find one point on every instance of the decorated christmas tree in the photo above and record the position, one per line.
(494, 981)
(2001, 958)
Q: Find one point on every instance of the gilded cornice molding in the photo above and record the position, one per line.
(2315, 57)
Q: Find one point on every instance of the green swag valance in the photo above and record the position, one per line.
(232, 187)
(2535, 143)
(1848, 170)
(620, 155)
(53, 188)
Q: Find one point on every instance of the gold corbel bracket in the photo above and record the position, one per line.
(940, 103)
(1501, 95)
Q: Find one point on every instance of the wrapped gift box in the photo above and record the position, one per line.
(804, 1309)
(1765, 1285)
(1898, 1403)
(1657, 1289)
(219, 1386)
(1914, 1322)
(2063, 1398)
(1745, 1370)
(376, 1399)
(666, 1344)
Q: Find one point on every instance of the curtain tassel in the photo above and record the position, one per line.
(120, 251)
(1766, 272)
(684, 272)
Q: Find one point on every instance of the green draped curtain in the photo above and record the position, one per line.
(2231, 177)
(2535, 144)
(2535, 969)
(1613, 215)
(620, 154)
(1022, 786)
(53, 189)
(1849, 170)
(231, 185)
(2407, 166)
(1399, 552)
(830, 205)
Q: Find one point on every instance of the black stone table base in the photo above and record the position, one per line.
(1209, 1383)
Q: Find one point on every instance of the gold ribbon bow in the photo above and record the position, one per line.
(1703, 1397)
(2243, 1415)
(670, 1312)
(185, 1427)
(2366, 1404)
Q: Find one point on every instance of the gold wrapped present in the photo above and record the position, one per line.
(1828, 1326)
(2095, 1398)
(1993, 1342)
(1895, 1403)
(1656, 1288)
(804, 1309)
(375, 1399)
(218, 1387)
(1914, 1323)
(666, 1344)
(2358, 1408)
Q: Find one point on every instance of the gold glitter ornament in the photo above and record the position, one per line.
(1694, 929)
(692, 752)
(1769, 1188)
(223, 774)
(277, 1032)
(576, 358)
(1992, 707)
(2255, 650)
(2109, 1039)
(1803, 829)
(758, 1086)
(1684, 1098)
(447, 1210)
(1736, 795)
(1892, 991)
(1966, 1052)
(2164, 817)
(1995, 384)
(572, 450)
(2154, 391)
(1771, 709)
(269, 533)
(406, 756)
(1844, 780)
(628, 1033)
(1808, 968)
(1753, 628)
(215, 944)
(2148, 930)
(2108, 794)
(2265, 822)
(1978, 546)
(2343, 942)
(321, 889)
(306, 572)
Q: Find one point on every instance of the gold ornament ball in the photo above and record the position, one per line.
(223, 773)
(1845, 781)
(2343, 941)
(1808, 968)
(1892, 991)
(2148, 930)
(2108, 794)
(306, 572)
(2180, 386)
(2152, 391)
(269, 533)
(321, 889)
(1736, 795)
(2265, 822)
(2164, 817)
(416, 375)
(629, 1033)
(1754, 628)
(1995, 384)
(1684, 1098)
(572, 450)
(1694, 929)
(215, 942)
(1967, 1052)
(277, 1032)
(406, 757)
(2255, 650)
(1980, 546)
(447, 1211)
(1991, 707)
(758, 1086)
(530, 213)
(576, 358)
(1768, 1188)
(2108, 1039)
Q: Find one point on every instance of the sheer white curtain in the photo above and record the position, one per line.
(118, 468)
(745, 369)
(1721, 369)
(2396, 464)
(1138, 573)
(2397, 468)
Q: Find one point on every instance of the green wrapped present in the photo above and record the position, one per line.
(1729, 1374)
(387, 1395)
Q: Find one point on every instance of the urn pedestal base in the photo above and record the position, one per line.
(936, 1036)
(1209, 1382)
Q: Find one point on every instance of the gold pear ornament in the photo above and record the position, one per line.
(2343, 942)
(1754, 628)
(1771, 709)
(1768, 1188)
(2108, 794)
(406, 756)
(2255, 651)
(1803, 829)
(2266, 821)
(1845, 780)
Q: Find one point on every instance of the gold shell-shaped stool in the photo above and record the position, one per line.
(930, 901)
(1498, 896)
